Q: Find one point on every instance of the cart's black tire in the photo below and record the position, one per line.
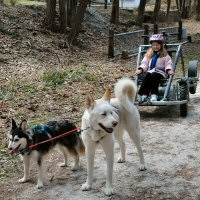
(183, 110)
(193, 72)
(183, 92)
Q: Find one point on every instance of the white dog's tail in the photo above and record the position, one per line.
(125, 92)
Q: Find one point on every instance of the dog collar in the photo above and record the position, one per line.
(25, 150)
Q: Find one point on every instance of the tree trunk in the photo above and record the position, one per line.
(51, 14)
(63, 16)
(77, 21)
(106, 4)
(185, 8)
(140, 14)
(195, 11)
(115, 12)
(168, 6)
(71, 10)
(156, 11)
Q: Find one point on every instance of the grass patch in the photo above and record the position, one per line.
(23, 2)
(5, 92)
(28, 87)
(26, 2)
(55, 77)
(42, 119)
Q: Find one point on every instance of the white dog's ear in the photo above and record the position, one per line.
(23, 126)
(107, 95)
(90, 103)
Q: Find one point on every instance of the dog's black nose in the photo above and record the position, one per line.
(114, 123)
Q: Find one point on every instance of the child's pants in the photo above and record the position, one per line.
(150, 83)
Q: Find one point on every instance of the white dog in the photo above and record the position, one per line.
(105, 116)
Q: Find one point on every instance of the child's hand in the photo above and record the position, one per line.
(170, 72)
(138, 71)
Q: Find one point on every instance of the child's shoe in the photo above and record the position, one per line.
(154, 97)
(144, 98)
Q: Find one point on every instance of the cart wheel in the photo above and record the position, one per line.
(183, 92)
(193, 72)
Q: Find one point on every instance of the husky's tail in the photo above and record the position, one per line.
(125, 92)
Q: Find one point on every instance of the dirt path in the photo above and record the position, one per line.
(171, 145)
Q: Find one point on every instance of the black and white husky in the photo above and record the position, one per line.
(104, 117)
(21, 137)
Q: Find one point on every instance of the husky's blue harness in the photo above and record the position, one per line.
(43, 129)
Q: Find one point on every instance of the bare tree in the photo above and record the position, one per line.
(184, 7)
(168, 7)
(51, 14)
(71, 10)
(115, 12)
(63, 16)
(77, 21)
(195, 11)
(140, 13)
(156, 11)
(106, 4)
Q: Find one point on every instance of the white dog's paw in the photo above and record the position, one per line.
(63, 165)
(121, 160)
(86, 187)
(109, 191)
(39, 185)
(23, 180)
(142, 167)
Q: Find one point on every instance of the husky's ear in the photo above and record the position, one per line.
(90, 103)
(14, 125)
(23, 125)
(107, 94)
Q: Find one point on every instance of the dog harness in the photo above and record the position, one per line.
(43, 129)
(37, 129)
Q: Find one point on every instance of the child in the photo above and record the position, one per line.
(157, 65)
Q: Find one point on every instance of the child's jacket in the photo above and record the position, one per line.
(162, 65)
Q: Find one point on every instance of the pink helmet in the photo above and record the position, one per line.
(157, 38)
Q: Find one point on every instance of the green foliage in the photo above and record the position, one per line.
(29, 2)
(41, 119)
(24, 2)
(13, 2)
(5, 92)
(28, 87)
(20, 115)
(55, 77)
